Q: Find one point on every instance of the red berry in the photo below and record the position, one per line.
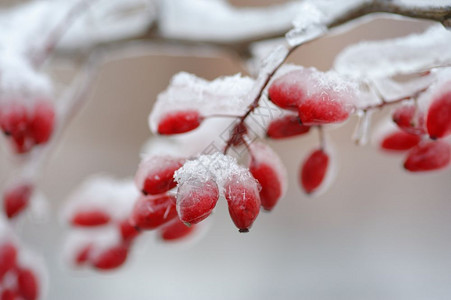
(287, 126)
(439, 117)
(314, 170)
(83, 255)
(176, 230)
(16, 199)
(8, 256)
(408, 120)
(287, 91)
(152, 212)
(323, 109)
(111, 258)
(269, 171)
(28, 284)
(428, 156)
(196, 200)
(14, 120)
(400, 141)
(90, 217)
(179, 122)
(241, 193)
(128, 232)
(156, 174)
(9, 295)
(42, 122)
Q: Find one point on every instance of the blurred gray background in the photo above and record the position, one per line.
(377, 233)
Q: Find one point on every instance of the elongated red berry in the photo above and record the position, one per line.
(28, 284)
(14, 119)
(241, 193)
(42, 122)
(9, 294)
(400, 141)
(428, 156)
(288, 91)
(323, 109)
(16, 198)
(439, 117)
(128, 231)
(8, 256)
(179, 122)
(314, 170)
(196, 199)
(90, 217)
(286, 126)
(266, 167)
(155, 175)
(408, 119)
(152, 212)
(14, 122)
(176, 230)
(111, 258)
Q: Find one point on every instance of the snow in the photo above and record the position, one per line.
(224, 95)
(314, 16)
(217, 167)
(405, 55)
(116, 197)
(218, 21)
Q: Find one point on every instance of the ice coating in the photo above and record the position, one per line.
(262, 153)
(410, 54)
(224, 95)
(116, 197)
(153, 166)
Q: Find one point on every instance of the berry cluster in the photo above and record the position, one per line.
(26, 126)
(17, 282)
(423, 132)
(105, 221)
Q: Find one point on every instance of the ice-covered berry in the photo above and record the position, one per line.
(196, 199)
(241, 193)
(152, 212)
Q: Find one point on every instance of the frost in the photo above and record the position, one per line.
(116, 197)
(224, 95)
(410, 54)
(217, 167)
